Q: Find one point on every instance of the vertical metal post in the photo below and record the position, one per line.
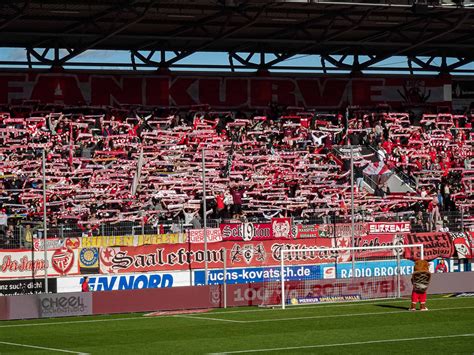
(204, 212)
(45, 227)
(20, 236)
(282, 255)
(225, 278)
(397, 251)
(352, 212)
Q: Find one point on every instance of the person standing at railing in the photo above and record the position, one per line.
(85, 284)
(434, 215)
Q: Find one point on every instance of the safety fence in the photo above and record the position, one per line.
(21, 235)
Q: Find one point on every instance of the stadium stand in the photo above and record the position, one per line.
(109, 166)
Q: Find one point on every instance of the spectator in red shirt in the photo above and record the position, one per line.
(85, 284)
(441, 267)
(220, 205)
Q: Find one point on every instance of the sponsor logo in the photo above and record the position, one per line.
(310, 300)
(329, 272)
(26, 286)
(62, 260)
(129, 282)
(250, 275)
(215, 295)
(89, 257)
(55, 305)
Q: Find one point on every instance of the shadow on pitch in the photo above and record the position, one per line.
(391, 306)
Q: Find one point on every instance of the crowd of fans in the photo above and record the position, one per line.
(145, 165)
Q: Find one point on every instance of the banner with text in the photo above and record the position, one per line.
(132, 240)
(435, 245)
(238, 91)
(197, 235)
(126, 282)
(191, 256)
(23, 264)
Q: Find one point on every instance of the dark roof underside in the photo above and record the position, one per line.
(239, 26)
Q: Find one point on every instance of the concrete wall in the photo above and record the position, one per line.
(193, 297)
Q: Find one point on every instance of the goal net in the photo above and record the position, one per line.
(316, 275)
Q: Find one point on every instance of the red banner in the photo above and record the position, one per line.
(435, 245)
(367, 241)
(183, 256)
(471, 237)
(224, 91)
(462, 245)
(246, 231)
(307, 231)
(281, 228)
(341, 230)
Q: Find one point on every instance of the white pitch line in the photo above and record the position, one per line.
(213, 313)
(345, 344)
(71, 322)
(43, 348)
(336, 315)
(351, 315)
(330, 305)
(210, 318)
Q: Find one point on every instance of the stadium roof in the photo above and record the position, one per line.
(285, 28)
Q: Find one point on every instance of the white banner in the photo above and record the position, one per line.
(21, 263)
(126, 282)
(197, 235)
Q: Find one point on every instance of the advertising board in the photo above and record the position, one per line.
(26, 286)
(71, 304)
(125, 282)
(251, 275)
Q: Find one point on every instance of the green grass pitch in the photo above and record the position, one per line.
(375, 327)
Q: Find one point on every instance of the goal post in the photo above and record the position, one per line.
(341, 274)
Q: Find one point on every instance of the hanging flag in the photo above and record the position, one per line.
(376, 168)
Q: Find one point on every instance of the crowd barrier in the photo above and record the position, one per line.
(187, 298)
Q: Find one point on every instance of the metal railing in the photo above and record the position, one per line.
(21, 236)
